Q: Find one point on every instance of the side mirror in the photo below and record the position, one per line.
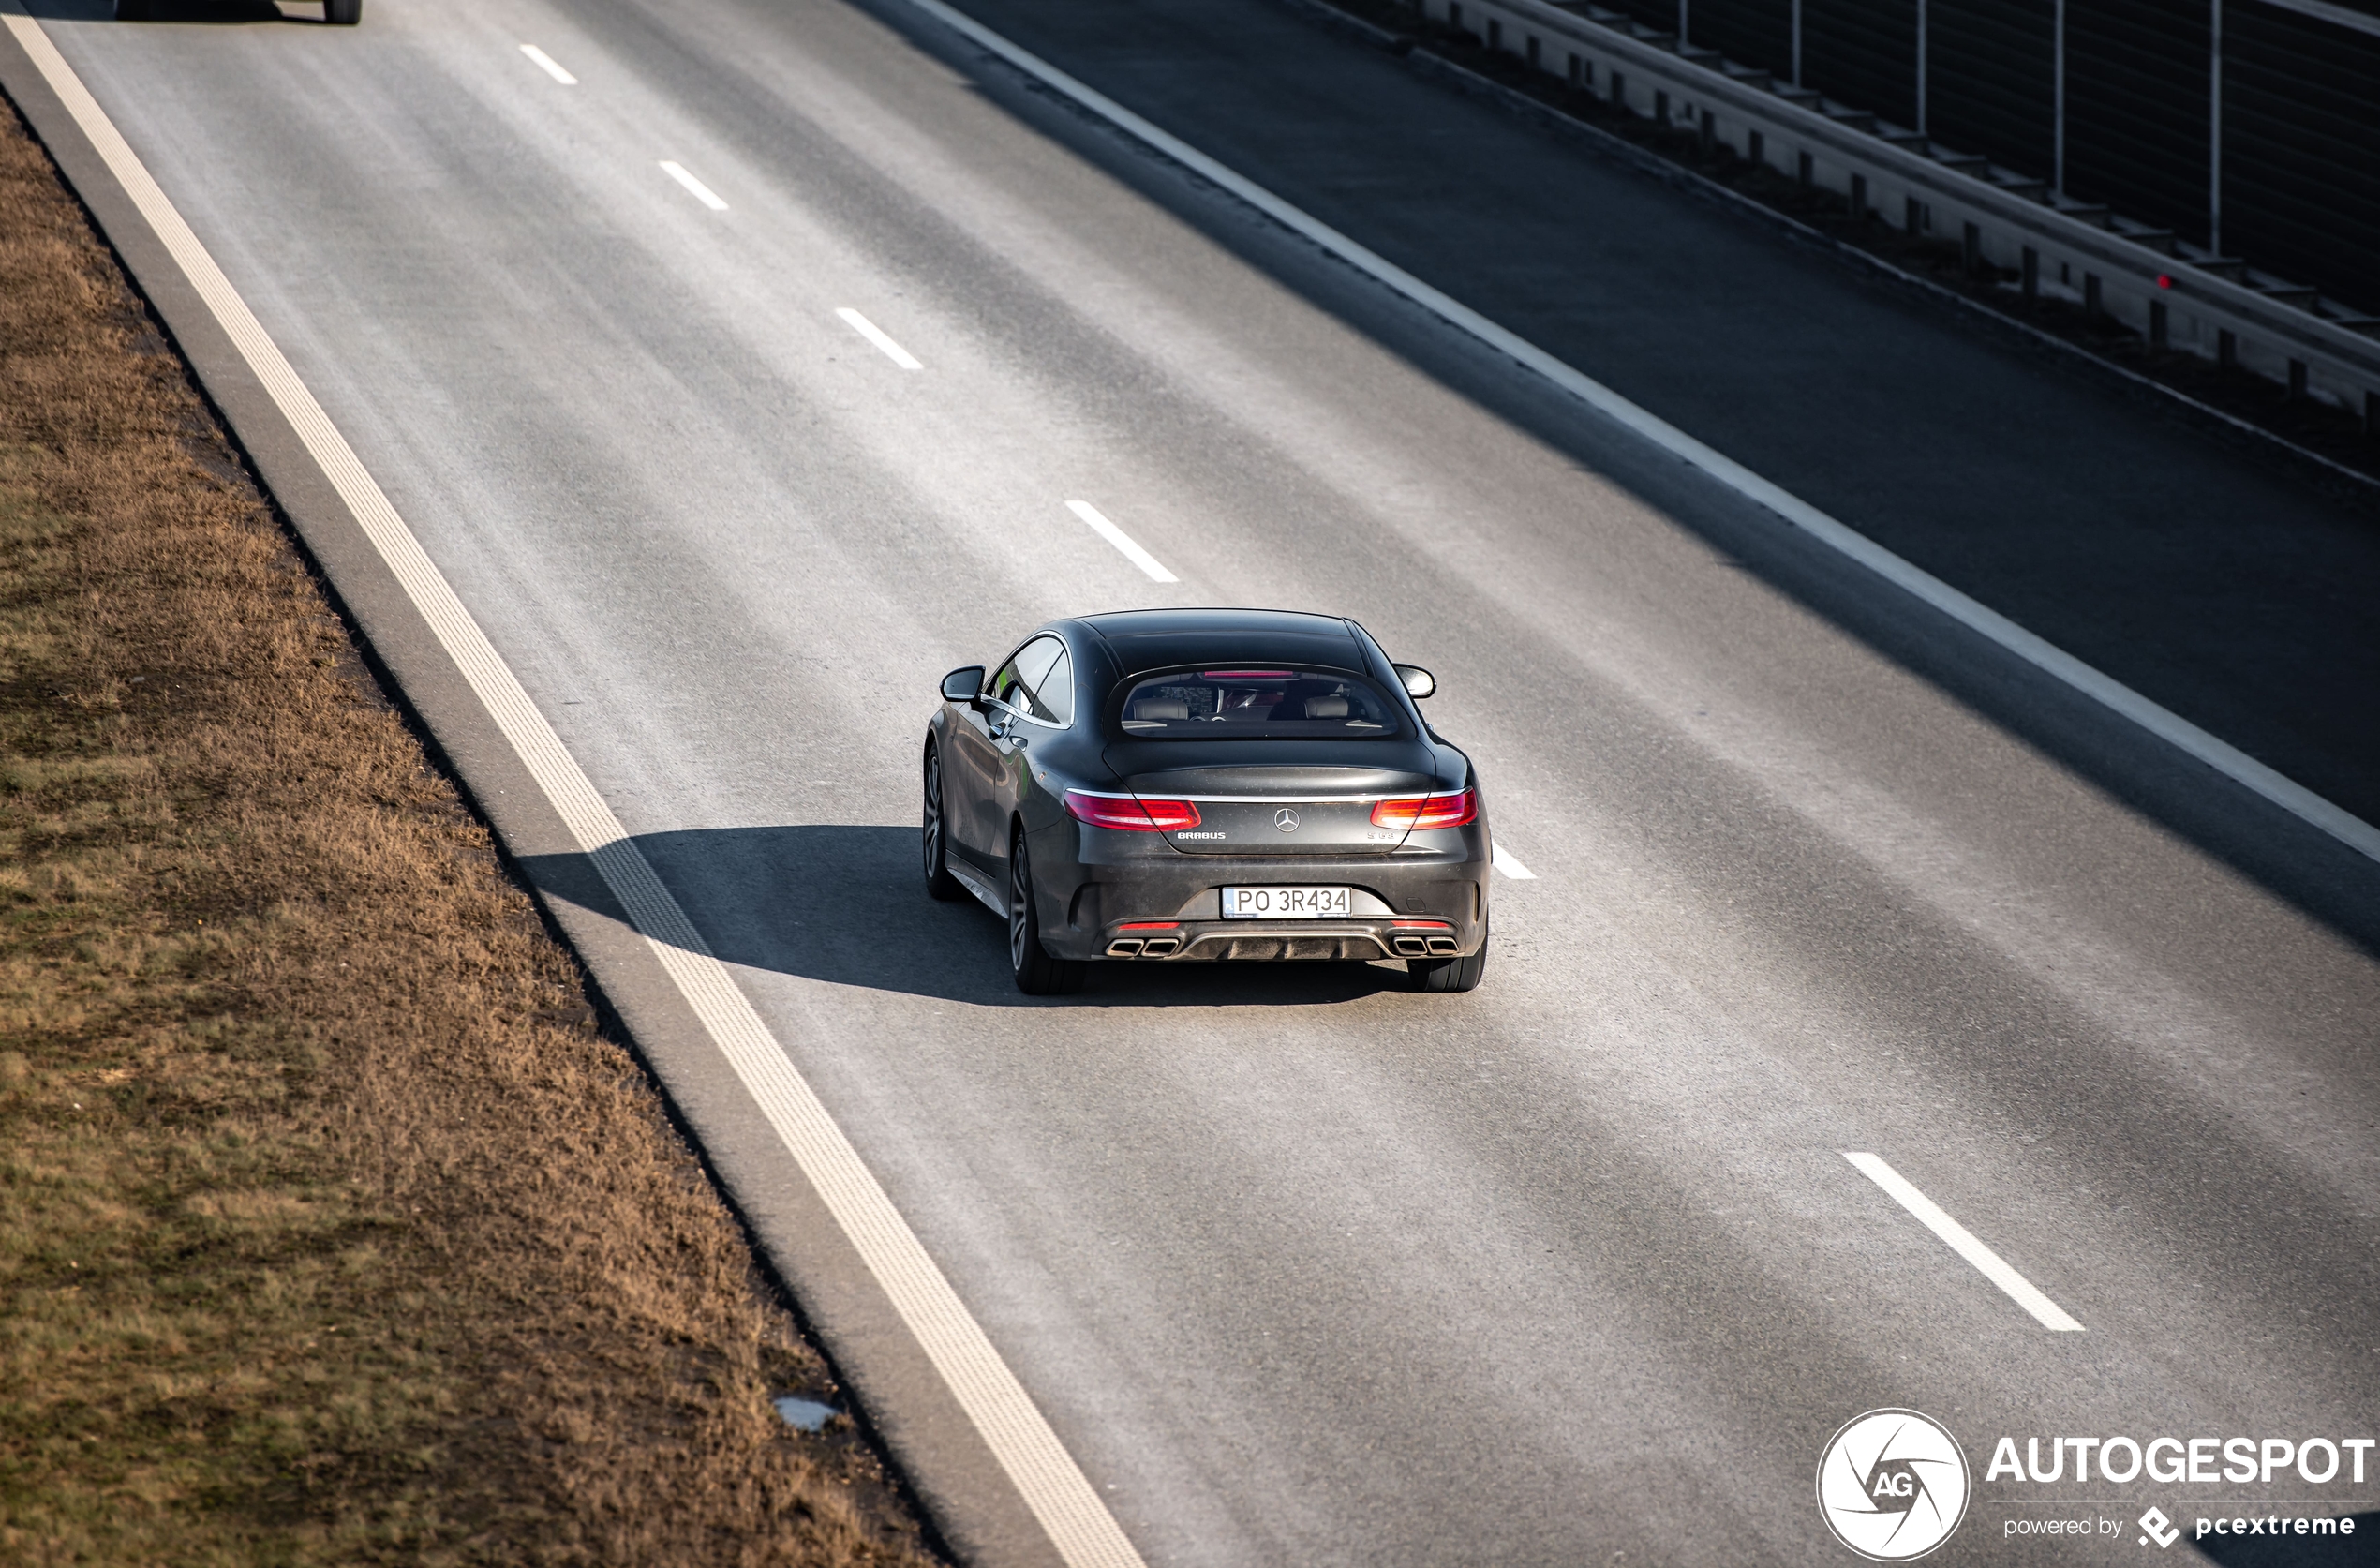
(963, 685)
(1419, 682)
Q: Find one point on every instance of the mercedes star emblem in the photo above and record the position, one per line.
(1285, 819)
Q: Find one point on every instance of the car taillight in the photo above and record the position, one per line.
(1167, 816)
(1139, 816)
(1433, 811)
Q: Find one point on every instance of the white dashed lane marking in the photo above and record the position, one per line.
(1509, 865)
(547, 64)
(877, 335)
(1122, 541)
(1962, 1241)
(702, 193)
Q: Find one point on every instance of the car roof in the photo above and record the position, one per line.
(1154, 639)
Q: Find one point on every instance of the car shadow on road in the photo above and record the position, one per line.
(848, 906)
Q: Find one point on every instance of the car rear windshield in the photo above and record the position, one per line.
(1236, 702)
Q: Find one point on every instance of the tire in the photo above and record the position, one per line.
(342, 14)
(1037, 972)
(940, 883)
(1449, 974)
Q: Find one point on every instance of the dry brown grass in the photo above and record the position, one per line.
(331, 1230)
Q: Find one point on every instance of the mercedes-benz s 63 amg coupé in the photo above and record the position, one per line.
(1174, 785)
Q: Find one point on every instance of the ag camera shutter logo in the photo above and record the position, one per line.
(1892, 1484)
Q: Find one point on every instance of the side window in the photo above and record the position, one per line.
(1057, 690)
(1004, 685)
(1037, 681)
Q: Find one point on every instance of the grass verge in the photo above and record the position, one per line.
(332, 1228)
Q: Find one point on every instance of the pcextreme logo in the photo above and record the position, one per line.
(1892, 1484)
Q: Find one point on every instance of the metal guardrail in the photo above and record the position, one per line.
(2176, 297)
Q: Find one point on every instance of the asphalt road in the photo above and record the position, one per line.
(1304, 1269)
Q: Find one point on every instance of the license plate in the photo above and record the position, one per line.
(1287, 903)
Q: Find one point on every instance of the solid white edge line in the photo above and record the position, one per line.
(1962, 1241)
(877, 335)
(1053, 1487)
(1121, 540)
(702, 193)
(547, 64)
(2171, 727)
(1509, 865)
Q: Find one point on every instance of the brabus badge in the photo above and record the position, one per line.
(1285, 819)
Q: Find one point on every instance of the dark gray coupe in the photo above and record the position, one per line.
(1168, 786)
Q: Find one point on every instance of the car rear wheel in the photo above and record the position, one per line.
(939, 882)
(1037, 972)
(1449, 974)
(342, 14)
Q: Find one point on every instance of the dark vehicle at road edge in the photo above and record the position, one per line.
(338, 13)
(1181, 785)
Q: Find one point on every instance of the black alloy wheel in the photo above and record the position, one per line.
(939, 882)
(1037, 972)
(1449, 974)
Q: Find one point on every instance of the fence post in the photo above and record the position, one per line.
(2214, 127)
(1922, 61)
(2056, 97)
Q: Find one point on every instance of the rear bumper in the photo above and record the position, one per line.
(1310, 939)
(1429, 900)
